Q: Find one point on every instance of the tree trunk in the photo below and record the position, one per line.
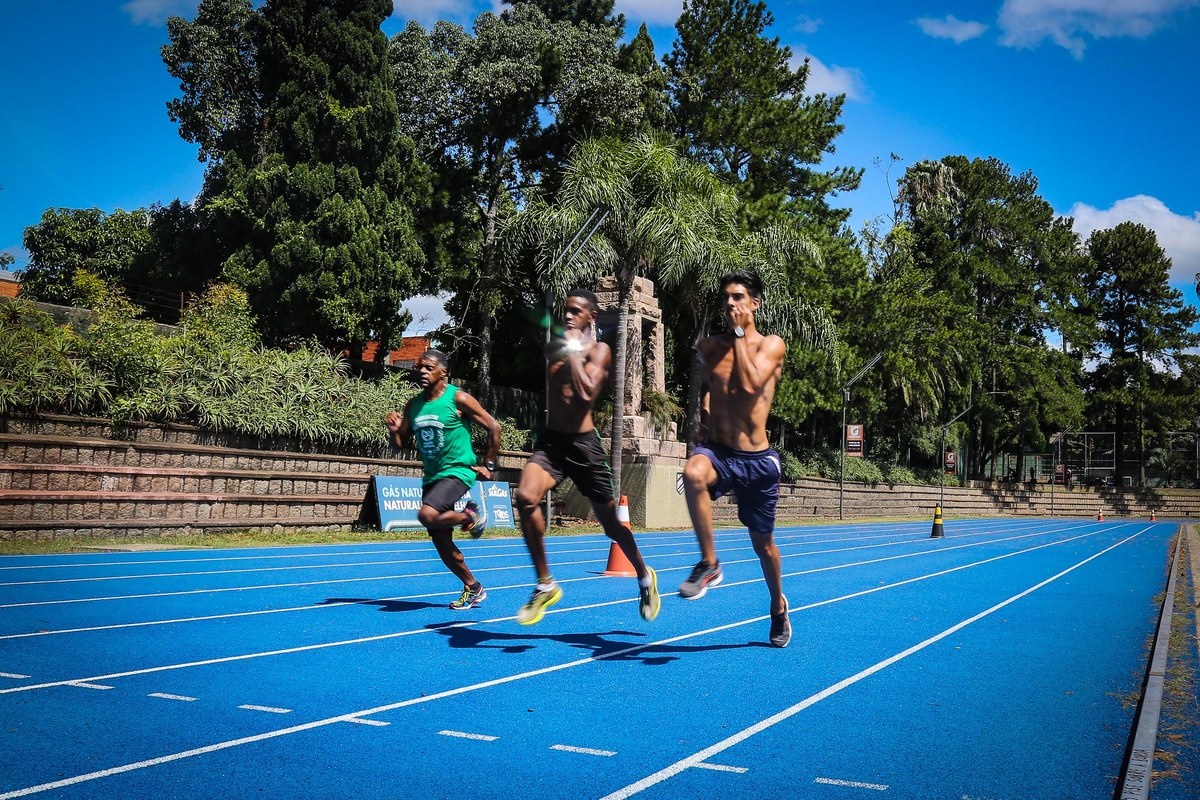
(624, 289)
(695, 384)
(483, 380)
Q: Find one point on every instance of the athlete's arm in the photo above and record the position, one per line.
(588, 372)
(754, 372)
(470, 408)
(400, 426)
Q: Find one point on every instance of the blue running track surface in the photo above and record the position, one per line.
(987, 665)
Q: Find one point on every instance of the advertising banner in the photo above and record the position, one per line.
(399, 500)
(854, 440)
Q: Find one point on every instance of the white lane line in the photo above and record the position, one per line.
(587, 751)
(87, 685)
(136, 563)
(256, 587)
(512, 586)
(879, 787)
(722, 768)
(397, 634)
(376, 722)
(477, 736)
(268, 709)
(14, 675)
(352, 716)
(182, 697)
(723, 745)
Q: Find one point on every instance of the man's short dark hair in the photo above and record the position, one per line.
(593, 303)
(747, 279)
(434, 355)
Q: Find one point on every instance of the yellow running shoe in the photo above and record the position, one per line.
(649, 602)
(544, 596)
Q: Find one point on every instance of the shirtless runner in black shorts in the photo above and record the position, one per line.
(577, 366)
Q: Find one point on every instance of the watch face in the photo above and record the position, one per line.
(739, 331)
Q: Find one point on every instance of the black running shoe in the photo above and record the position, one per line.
(703, 576)
(781, 627)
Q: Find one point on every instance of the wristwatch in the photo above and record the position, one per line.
(739, 331)
(490, 466)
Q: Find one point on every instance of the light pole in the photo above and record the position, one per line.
(942, 465)
(846, 399)
(1057, 441)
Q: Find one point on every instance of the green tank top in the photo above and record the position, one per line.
(442, 438)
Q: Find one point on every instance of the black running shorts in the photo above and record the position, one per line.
(578, 456)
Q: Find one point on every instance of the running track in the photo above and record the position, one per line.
(987, 665)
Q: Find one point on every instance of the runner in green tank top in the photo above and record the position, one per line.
(434, 423)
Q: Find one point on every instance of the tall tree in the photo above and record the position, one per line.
(69, 239)
(741, 108)
(1004, 266)
(1142, 328)
(215, 59)
(636, 57)
(493, 112)
(321, 195)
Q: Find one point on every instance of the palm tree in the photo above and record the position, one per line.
(669, 219)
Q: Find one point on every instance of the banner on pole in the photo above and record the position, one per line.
(854, 440)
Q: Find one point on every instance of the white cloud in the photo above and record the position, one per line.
(155, 12)
(1178, 235)
(1067, 22)
(831, 80)
(806, 24)
(652, 12)
(952, 28)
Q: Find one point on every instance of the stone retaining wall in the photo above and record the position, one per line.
(71, 476)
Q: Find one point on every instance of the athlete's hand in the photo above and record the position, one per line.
(393, 421)
(482, 472)
(740, 317)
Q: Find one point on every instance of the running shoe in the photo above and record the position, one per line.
(469, 598)
(781, 627)
(476, 523)
(698, 583)
(542, 598)
(649, 601)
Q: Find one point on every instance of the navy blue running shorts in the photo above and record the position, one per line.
(752, 476)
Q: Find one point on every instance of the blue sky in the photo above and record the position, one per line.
(1097, 98)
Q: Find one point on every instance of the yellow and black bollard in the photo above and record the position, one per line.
(937, 533)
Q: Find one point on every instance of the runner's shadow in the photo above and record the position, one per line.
(472, 636)
(384, 605)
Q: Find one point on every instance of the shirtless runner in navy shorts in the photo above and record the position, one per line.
(740, 371)
(576, 367)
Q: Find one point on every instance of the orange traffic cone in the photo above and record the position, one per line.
(618, 564)
(1153, 516)
(1100, 515)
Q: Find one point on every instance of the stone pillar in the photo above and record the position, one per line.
(645, 338)
(651, 464)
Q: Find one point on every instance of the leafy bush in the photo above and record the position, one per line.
(211, 372)
(662, 409)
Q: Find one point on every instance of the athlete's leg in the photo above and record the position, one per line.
(772, 567)
(452, 557)
(699, 476)
(606, 513)
(531, 490)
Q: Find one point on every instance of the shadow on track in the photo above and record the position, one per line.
(384, 605)
(462, 636)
